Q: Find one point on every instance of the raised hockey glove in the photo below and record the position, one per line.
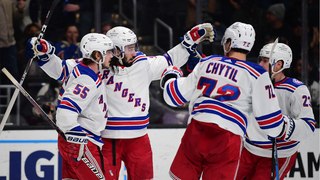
(43, 50)
(168, 73)
(77, 139)
(198, 34)
(288, 128)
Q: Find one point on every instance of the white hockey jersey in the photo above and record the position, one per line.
(226, 91)
(295, 102)
(127, 90)
(82, 102)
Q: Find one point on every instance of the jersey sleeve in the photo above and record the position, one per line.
(302, 114)
(266, 107)
(177, 56)
(76, 98)
(56, 68)
(179, 91)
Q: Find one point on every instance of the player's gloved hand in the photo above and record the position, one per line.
(168, 73)
(43, 49)
(288, 128)
(77, 139)
(198, 34)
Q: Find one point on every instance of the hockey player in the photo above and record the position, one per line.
(294, 100)
(223, 91)
(82, 109)
(125, 136)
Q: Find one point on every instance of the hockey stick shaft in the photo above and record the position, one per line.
(32, 101)
(26, 70)
(275, 164)
(46, 21)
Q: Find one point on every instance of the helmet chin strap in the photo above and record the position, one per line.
(275, 73)
(99, 62)
(100, 66)
(120, 57)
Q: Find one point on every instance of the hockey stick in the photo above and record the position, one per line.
(16, 91)
(33, 102)
(275, 164)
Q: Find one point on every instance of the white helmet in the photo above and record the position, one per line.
(95, 42)
(281, 52)
(242, 36)
(121, 37)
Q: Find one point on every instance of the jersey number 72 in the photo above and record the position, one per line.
(226, 92)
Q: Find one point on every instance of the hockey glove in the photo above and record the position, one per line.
(198, 34)
(288, 128)
(43, 50)
(168, 73)
(77, 139)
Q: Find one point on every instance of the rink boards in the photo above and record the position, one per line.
(32, 154)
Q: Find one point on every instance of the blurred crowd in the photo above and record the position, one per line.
(22, 19)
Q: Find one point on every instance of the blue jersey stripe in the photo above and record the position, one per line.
(168, 58)
(128, 118)
(224, 106)
(175, 83)
(243, 128)
(67, 107)
(171, 97)
(284, 89)
(264, 117)
(126, 127)
(73, 103)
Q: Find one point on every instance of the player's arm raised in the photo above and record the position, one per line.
(52, 65)
(181, 53)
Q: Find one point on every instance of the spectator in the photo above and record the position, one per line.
(68, 48)
(21, 23)
(275, 25)
(9, 10)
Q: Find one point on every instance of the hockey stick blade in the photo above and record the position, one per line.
(273, 46)
(16, 91)
(32, 101)
(270, 57)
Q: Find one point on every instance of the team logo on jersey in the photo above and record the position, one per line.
(296, 81)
